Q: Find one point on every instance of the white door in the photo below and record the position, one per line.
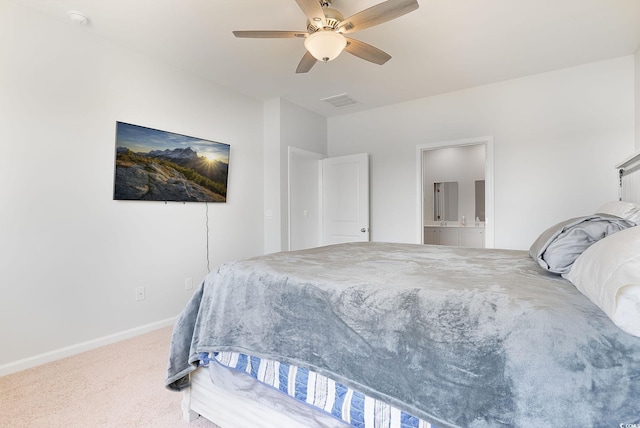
(345, 194)
(305, 199)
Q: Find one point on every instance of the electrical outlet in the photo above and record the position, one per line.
(139, 293)
(188, 283)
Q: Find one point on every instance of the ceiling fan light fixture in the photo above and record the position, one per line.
(325, 45)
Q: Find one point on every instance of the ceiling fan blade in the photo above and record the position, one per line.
(306, 63)
(313, 11)
(271, 34)
(366, 51)
(378, 14)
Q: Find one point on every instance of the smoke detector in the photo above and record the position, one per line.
(78, 17)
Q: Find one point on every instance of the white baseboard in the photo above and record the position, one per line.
(36, 360)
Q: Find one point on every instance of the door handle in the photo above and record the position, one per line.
(363, 230)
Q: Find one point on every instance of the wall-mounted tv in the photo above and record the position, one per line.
(154, 165)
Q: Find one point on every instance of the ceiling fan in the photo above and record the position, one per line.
(324, 38)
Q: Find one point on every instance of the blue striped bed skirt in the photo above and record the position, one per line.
(317, 390)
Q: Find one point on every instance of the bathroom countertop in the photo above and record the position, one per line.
(454, 224)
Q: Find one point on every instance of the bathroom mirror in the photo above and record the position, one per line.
(445, 201)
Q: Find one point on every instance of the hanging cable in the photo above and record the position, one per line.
(206, 204)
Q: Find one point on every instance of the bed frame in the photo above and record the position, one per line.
(222, 407)
(199, 398)
(629, 184)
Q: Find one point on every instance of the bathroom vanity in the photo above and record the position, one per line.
(454, 234)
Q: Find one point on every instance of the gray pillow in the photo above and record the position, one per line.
(559, 246)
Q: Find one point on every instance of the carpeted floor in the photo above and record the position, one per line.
(120, 385)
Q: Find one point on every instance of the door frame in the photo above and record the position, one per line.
(487, 141)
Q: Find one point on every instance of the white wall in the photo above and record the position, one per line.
(557, 137)
(70, 256)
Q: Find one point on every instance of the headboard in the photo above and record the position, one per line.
(628, 171)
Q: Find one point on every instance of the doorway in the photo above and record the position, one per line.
(476, 188)
(328, 199)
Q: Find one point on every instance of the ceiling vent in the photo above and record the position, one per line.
(342, 100)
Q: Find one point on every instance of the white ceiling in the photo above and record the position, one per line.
(445, 45)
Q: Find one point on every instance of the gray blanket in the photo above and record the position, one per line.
(458, 337)
(560, 245)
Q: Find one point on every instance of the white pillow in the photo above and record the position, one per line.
(626, 210)
(608, 273)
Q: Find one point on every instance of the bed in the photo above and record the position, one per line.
(420, 335)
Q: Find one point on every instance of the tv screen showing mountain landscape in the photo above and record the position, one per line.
(154, 165)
